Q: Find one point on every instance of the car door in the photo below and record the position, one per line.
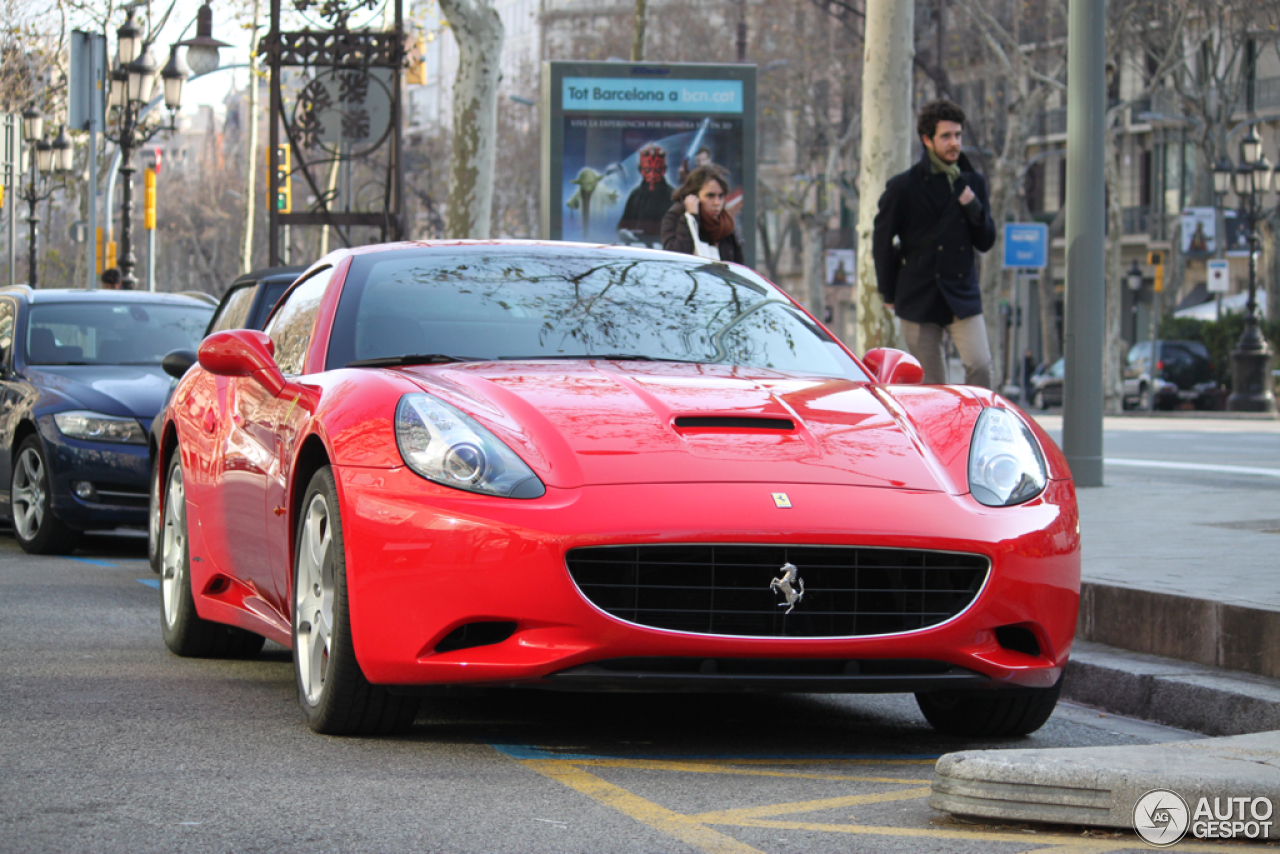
(272, 423)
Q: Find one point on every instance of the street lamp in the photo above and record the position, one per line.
(132, 82)
(46, 158)
(1253, 387)
(1135, 277)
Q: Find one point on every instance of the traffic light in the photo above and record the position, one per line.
(111, 254)
(1156, 259)
(98, 251)
(149, 199)
(282, 194)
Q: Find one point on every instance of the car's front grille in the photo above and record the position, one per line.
(849, 591)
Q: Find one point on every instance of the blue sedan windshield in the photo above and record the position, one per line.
(101, 333)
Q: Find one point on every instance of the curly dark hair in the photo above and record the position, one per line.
(693, 184)
(933, 112)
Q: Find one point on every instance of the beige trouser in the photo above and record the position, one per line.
(924, 340)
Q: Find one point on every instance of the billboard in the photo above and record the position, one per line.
(1199, 232)
(618, 139)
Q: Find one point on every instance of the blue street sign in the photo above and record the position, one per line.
(1026, 244)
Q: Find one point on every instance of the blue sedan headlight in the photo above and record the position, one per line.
(450, 448)
(97, 427)
(1006, 465)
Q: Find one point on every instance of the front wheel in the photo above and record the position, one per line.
(993, 713)
(335, 696)
(185, 632)
(39, 532)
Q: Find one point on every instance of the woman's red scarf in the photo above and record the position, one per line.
(717, 229)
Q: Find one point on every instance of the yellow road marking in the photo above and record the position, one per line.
(703, 767)
(1053, 839)
(695, 831)
(739, 815)
(660, 818)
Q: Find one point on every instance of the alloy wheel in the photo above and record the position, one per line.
(173, 545)
(28, 494)
(313, 600)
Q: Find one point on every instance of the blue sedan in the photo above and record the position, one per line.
(80, 382)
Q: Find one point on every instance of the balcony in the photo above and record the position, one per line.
(1048, 122)
(1136, 220)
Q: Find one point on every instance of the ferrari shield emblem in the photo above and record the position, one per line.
(781, 500)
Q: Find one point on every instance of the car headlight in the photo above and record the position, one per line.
(450, 448)
(96, 427)
(1005, 463)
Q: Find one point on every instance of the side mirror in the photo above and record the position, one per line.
(250, 353)
(238, 353)
(178, 362)
(893, 367)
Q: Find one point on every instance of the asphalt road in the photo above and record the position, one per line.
(110, 743)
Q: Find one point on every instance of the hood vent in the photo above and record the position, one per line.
(719, 422)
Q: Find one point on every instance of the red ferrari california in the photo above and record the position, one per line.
(593, 468)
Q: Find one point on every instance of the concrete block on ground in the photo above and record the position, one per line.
(1100, 786)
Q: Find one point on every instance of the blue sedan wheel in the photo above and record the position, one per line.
(39, 532)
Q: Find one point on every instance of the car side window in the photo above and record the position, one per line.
(290, 328)
(234, 313)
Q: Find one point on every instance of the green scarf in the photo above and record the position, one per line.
(951, 170)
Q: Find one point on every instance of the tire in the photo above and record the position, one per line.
(39, 532)
(989, 714)
(155, 520)
(185, 632)
(335, 696)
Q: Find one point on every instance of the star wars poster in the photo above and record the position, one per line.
(620, 147)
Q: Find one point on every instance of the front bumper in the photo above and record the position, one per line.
(424, 560)
(120, 474)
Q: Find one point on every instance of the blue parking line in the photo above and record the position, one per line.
(150, 582)
(528, 751)
(90, 560)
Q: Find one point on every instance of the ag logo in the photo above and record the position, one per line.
(1161, 817)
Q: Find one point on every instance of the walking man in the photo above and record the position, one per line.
(932, 217)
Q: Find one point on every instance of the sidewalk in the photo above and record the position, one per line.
(1179, 624)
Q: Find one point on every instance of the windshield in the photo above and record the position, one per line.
(527, 303)
(102, 333)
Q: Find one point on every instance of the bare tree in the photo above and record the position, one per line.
(479, 33)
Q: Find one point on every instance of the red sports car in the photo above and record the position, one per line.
(586, 467)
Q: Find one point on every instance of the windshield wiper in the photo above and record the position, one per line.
(414, 359)
(613, 357)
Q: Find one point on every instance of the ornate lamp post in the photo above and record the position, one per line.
(1253, 387)
(132, 83)
(46, 158)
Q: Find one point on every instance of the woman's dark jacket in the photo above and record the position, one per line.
(676, 236)
(939, 282)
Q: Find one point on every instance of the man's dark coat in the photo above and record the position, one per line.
(940, 282)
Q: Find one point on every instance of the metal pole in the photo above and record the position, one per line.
(1086, 298)
(151, 260)
(91, 236)
(33, 222)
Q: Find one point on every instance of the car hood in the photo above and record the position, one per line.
(604, 422)
(136, 391)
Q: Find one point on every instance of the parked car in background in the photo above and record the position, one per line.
(1046, 384)
(245, 305)
(80, 382)
(1181, 372)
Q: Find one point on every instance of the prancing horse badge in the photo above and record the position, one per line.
(781, 500)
